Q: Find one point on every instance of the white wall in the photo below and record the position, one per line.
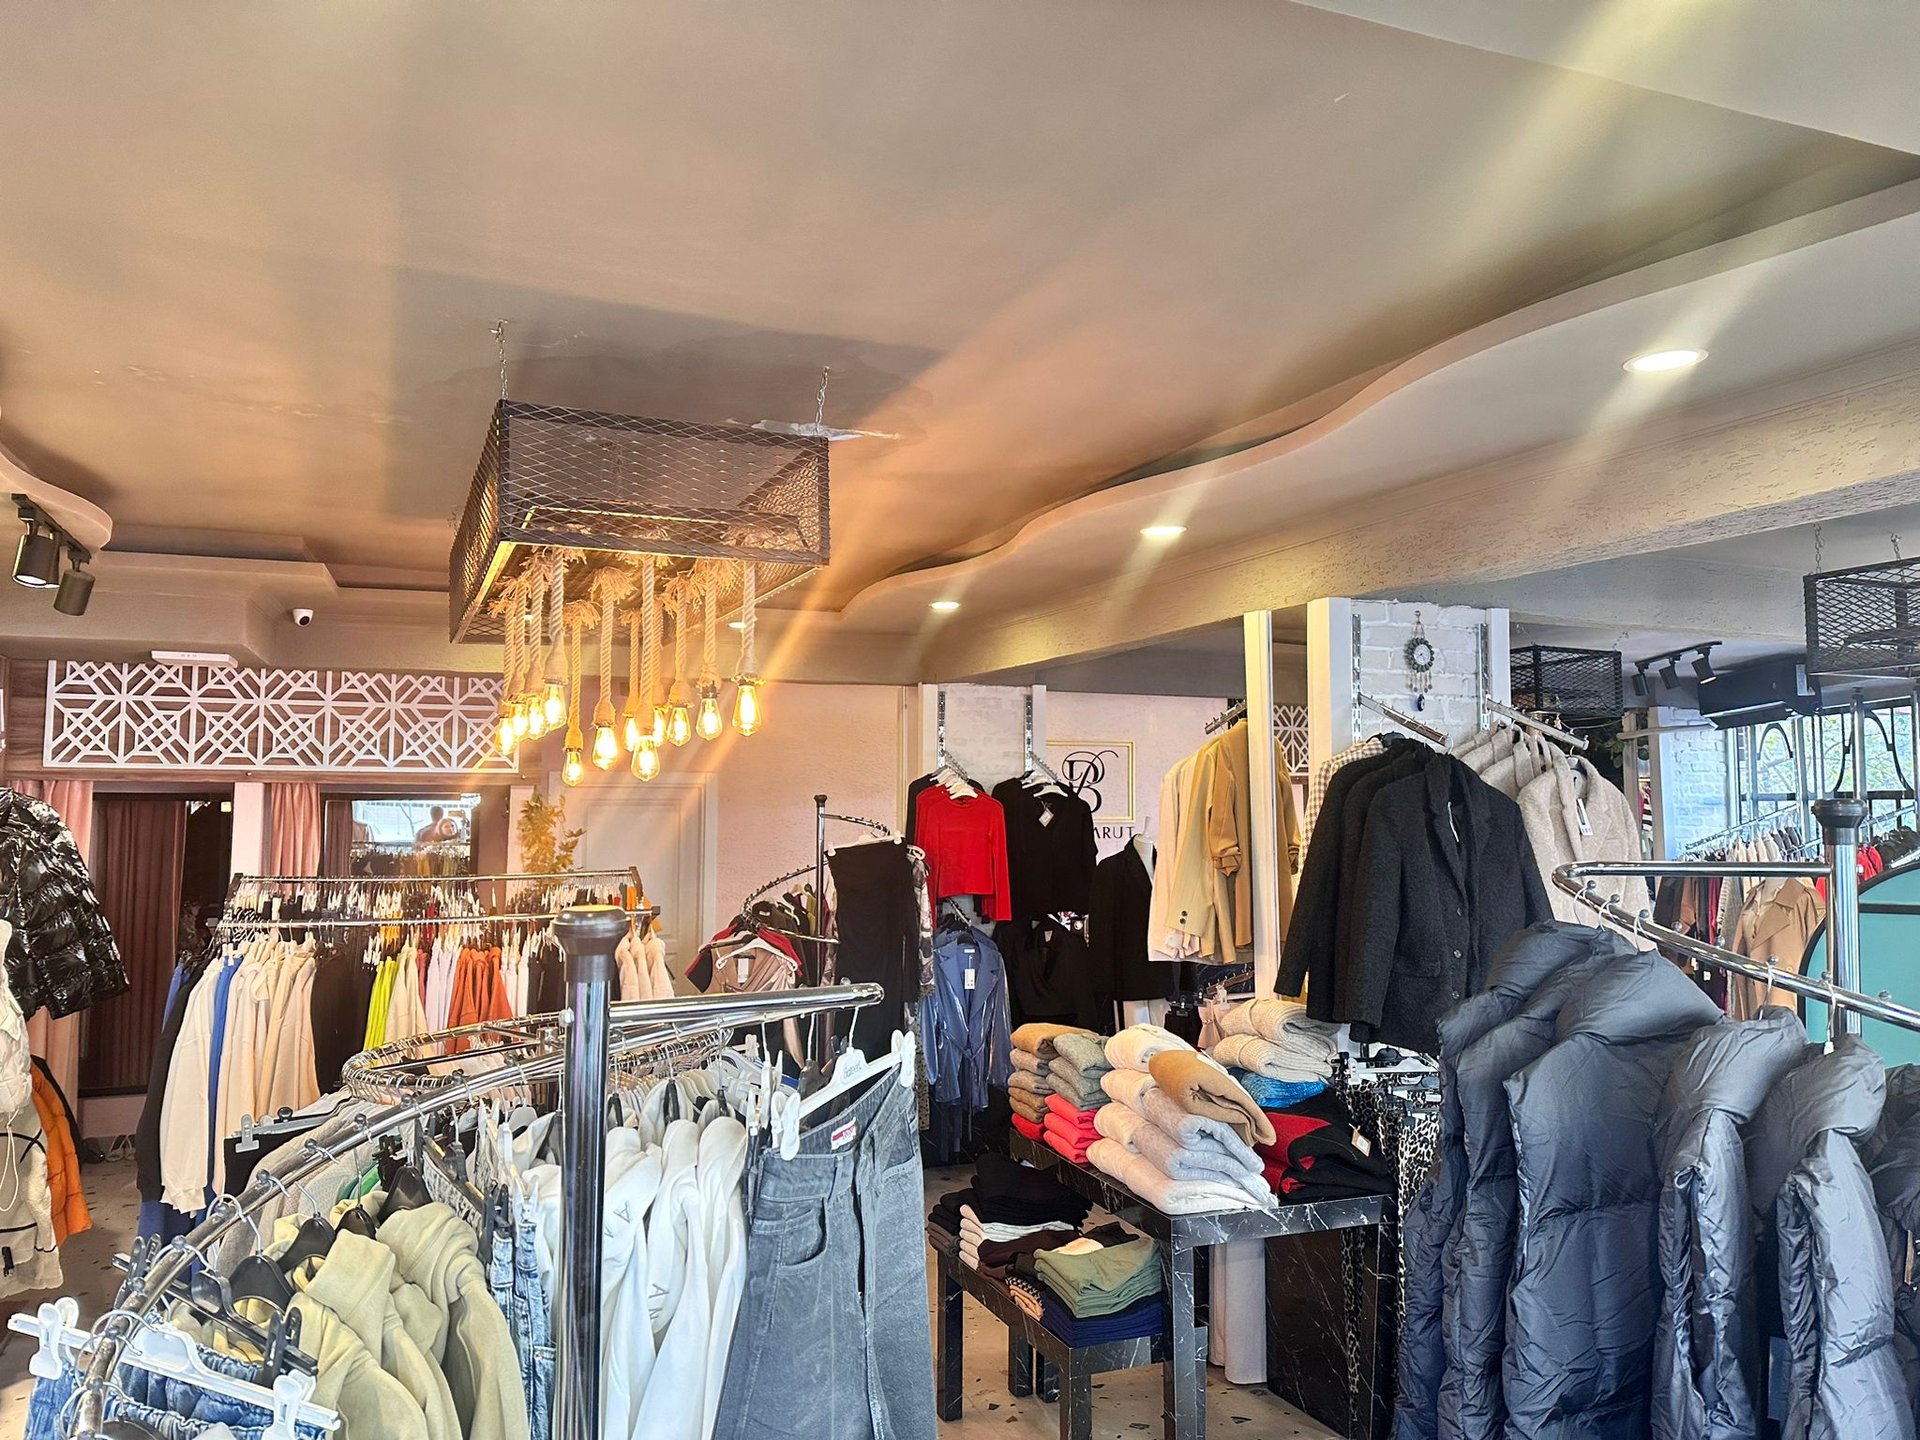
(844, 740)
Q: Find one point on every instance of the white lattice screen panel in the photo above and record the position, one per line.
(103, 715)
(1290, 725)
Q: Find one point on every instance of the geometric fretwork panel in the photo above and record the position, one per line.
(103, 715)
(1290, 729)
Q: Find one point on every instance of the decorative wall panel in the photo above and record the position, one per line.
(103, 715)
(1290, 727)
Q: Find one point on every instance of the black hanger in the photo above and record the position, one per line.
(282, 1349)
(356, 1221)
(314, 1240)
(258, 1278)
(406, 1191)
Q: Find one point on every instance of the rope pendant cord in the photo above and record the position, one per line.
(710, 640)
(747, 620)
(650, 646)
(603, 708)
(679, 646)
(632, 708)
(535, 665)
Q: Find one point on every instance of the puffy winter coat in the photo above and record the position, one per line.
(1843, 1379)
(1476, 1263)
(1706, 1348)
(62, 954)
(1583, 1299)
(1893, 1164)
(1530, 958)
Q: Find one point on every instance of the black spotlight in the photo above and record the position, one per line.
(1670, 672)
(76, 586)
(1703, 666)
(37, 562)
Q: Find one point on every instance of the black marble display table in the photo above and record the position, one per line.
(1027, 1337)
(1321, 1360)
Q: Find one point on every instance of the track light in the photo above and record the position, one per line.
(76, 586)
(36, 564)
(1703, 664)
(1670, 672)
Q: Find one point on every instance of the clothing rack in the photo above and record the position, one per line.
(628, 875)
(1234, 712)
(1405, 722)
(230, 924)
(1533, 722)
(1773, 819)
(1840, 820)
(943, 758)
(595, 1034)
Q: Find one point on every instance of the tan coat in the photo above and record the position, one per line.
(1550, 808)
(1212, 895)
(1776, 926)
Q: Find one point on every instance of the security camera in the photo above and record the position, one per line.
(303, 617)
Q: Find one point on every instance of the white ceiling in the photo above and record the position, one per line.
(254, 250)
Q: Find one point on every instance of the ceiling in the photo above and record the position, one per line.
(1277, 261)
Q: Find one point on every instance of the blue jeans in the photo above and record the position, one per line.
(49, 1399)
(532, 1317)
(172, 1409)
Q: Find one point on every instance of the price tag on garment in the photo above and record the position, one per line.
(740, 966)
(844, 1135)
(1580, 810)
(1361, 1143)
(1046, 817)
(972, 974)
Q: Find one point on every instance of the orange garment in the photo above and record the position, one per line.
(479, 993)
(70, 1214)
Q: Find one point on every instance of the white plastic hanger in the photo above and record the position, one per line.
(849, 1071)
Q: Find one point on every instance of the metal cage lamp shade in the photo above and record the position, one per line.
(1864, 620)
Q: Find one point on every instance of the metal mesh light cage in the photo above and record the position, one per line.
(1578, 684)
(624, 484)
(1864, 620)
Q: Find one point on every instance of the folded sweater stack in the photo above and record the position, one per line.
(1035, 1048)
(1318, 1153)
(1172, 1155)
(1079, 1060)
(1093, 1279)
(1277, 1054)
(1069, 1130)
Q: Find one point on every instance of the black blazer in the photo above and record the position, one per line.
(1308, 958)
(1117, 932)
(1446, 877)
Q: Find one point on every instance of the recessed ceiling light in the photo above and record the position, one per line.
(1658, 362)
(193, 657)
(736, 624)
(1163, 532)
(945, 607)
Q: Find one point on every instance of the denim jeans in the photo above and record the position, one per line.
(531, 1315)
(833, 1339)
(49, 1398)
(172, 1409)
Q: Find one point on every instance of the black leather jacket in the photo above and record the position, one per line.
(62, 954)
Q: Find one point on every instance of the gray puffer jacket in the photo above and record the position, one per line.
(1893, 1162)
(1583, 1299)
(1478, 1256)
(1843, 1379)
(1706, 1349)
(1533, 955)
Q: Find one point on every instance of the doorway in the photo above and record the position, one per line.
(160, 866)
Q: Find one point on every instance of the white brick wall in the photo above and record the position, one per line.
(1690, 784)
(1454, 631)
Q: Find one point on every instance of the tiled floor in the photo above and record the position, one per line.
(1126, 1405)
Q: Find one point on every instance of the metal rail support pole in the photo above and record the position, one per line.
(1269, 789)
(1840, 818)
(587, 935)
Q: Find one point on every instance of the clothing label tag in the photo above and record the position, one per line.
(1580, 809)
(1046, 816)
(843, 1135)
(740, 966)
(1450, 825)
(1361, 1143)
(971, 975)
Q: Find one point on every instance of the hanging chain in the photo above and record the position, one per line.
(747, 605)
(1894, 536)
(1817, 566)
(500, 347)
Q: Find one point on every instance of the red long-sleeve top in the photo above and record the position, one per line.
(966, 846)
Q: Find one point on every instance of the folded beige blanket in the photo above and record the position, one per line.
(1134, 1046)
(1118, 1123)
(1274, 1020)
(1037, 1039)
(1201, 1087)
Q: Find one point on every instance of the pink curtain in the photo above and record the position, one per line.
(293, 828)
(58, 1041)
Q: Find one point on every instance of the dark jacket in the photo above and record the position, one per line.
(1479, 1253)
(1534, 955)
(964, 1026)
(1448, 877)
(1050, 850)
(1403, 762)
(1583, 1300)
(62, 954)
(1893, 1164)
(1307, 960)
(1843, 1379)
(1706, 1348)
(1117, 932)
